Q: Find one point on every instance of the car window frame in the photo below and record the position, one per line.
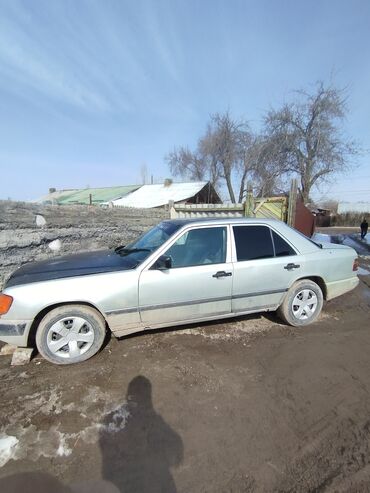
(286, 241)
(271, 228)
(171, 241)
(187, 233)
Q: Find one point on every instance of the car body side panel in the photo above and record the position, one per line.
(334, 266)
(206, 319)
(262, 283)
(184, 293)
(329, 264)
(114, 294)
(337, 288)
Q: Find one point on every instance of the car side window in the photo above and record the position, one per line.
(253, 242)
(199, 247)
(282, 248)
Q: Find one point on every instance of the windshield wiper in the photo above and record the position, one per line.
(126, 251)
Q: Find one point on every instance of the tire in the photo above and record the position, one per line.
(81, 327)
(302, 304)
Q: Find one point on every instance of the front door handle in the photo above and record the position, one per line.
(292, 266)
(222, 273)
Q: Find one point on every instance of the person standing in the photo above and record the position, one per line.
(364, 226)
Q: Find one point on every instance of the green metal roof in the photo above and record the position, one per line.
(98, 195)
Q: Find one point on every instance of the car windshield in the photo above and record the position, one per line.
(139, 249)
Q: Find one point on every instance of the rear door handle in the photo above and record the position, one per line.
(292, 266)
(222, 273)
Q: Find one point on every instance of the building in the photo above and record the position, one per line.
(140, 196)
(159, 195)
(85, 196)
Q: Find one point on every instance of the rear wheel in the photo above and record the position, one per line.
(302, 304)
(70, 334)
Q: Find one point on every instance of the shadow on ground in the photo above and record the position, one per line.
(139, 457)
(138, 451)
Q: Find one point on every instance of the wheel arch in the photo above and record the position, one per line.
(36, 321)
(318, 280)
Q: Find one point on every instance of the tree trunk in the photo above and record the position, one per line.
(230, 188)
(242, 186)
(305, 189)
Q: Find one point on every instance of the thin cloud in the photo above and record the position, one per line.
(114, 60)
(163, 38)
(48, 67)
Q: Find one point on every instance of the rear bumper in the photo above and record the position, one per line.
(336, 288)
(15, 331)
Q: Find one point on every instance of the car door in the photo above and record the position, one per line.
(197, 286)
(265, 265)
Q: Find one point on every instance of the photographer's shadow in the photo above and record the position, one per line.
(138, 457)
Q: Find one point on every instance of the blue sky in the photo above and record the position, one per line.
(92, 90)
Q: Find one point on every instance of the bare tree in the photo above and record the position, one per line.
(225, 143)
(187, 164)
(221, 154)
(301, 138)
(306, 135)
(270, 171)
(209, 155)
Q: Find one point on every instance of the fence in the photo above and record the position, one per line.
(289, 209)
(186, 211)
(273, 207)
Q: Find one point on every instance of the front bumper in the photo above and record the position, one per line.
(15, 331)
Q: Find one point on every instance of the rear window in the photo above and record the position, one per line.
(253, 242)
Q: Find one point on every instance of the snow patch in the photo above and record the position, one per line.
(18, 442)
(118, 420)
(8, 445)
(63, 449)
(55, 245)
(40, 220)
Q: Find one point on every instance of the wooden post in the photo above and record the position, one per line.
(90, 198)
(292, 202)
(172, 211)
(249, 201)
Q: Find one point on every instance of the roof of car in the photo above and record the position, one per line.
(300, 241)
(226, 220)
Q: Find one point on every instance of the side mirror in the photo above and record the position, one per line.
(163, 262)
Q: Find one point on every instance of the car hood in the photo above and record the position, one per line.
(81, 264)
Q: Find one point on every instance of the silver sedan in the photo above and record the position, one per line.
(180, 271)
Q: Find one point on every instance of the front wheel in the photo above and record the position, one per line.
(302, 304)
(70, 334)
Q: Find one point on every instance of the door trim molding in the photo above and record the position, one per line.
(175, 304)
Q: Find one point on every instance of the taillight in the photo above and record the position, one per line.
(355, 264)
(5, 303)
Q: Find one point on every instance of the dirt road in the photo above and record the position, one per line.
(248, 405)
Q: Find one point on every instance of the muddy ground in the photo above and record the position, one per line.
(247, 405)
